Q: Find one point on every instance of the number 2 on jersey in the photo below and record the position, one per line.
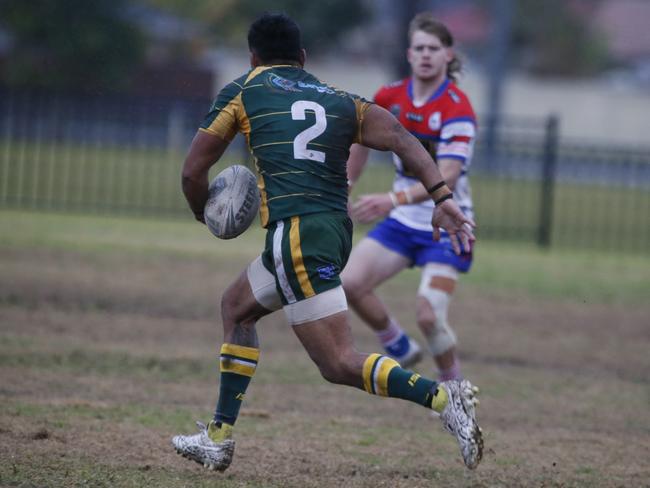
(298, 112)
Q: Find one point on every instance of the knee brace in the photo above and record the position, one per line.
(442, 338)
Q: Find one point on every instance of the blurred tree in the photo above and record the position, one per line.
(80, 44)
(322, 22)
(552, 39)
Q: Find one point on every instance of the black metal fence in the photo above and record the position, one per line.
(535, 185)
(120, 155)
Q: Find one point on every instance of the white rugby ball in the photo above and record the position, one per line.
(233, 202)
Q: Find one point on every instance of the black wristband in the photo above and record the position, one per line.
(443, 198)
(436, 187)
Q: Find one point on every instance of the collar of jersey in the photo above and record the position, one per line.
(260, 69)
(441, 89)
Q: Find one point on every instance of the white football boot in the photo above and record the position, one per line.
(202, 449)
(459, 419)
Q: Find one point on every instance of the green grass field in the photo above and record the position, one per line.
(500, 266)
(110, 334)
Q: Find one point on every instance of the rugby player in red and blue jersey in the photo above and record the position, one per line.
(431, 107)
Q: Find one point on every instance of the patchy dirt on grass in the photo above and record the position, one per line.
(103, 359)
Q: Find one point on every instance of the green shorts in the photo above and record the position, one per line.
(307, 253)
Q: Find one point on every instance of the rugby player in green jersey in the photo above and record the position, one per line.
(299, 131)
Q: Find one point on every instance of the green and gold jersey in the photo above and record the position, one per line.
(299, 131)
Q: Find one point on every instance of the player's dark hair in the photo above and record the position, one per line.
(426, 22)
(275, 37)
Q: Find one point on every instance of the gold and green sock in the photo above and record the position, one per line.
(384, 376)
(237, 365)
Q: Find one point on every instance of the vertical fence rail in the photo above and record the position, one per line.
(547, 193)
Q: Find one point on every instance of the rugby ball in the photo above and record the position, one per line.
(233, 202)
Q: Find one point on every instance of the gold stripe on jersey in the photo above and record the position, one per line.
(299, 172)
(255, 72)
(229, 120)
(264, 204)
(260, 69)
(225, 124)
(311, 143)
(295, 195)
(361, 107)
(270, 113)
(296, 257)
(273, 144)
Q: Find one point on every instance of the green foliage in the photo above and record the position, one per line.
(88, 46)
(554, 40)
(322, 23)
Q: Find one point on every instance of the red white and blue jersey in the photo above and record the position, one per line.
(446, 126)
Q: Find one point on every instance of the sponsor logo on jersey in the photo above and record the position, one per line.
(295, 86)
(435, 121)
(318, 88)
(454, 96)
(328, 272)
(283, 83)
(395, 109)
(414, 117)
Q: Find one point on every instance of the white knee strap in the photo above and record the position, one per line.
(442, 338)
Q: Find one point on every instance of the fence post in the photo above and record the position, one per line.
(549, 165)
(175, 128)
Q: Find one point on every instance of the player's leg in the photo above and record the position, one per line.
(252, 296)
(308, 258)
(328, 341)
(370, 264)
(249, 298)
(437, 286)
(440, 269)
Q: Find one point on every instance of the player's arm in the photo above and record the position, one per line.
(381, 130)
(450, 169)
(204, 152)
(376, 205)
(356, 162)
(211, 140)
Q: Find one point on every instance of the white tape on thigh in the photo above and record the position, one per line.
(317, 307)
(436, 269)
(442, 338)
(263, 285)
